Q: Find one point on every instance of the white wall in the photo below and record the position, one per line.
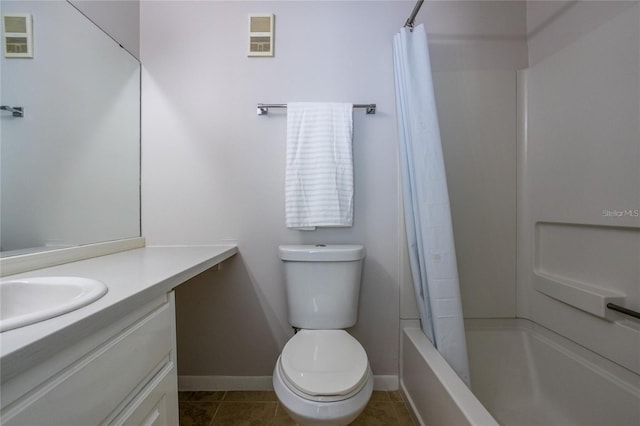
(579, 158)
(213, 170)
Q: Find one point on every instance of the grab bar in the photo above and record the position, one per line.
(623, 310)
(15, 111)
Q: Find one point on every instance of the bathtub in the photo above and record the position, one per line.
(521, 374)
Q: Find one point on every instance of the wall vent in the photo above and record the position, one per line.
(261, 34)
(17, 40)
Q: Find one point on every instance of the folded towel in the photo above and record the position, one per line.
(319, 174)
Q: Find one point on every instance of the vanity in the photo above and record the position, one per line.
(70, 173)
(112, 361)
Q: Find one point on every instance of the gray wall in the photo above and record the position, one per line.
(213, 170)
(118, 18)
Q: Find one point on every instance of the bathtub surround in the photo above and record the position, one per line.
(435, 393)
(531, 379)
(580, 155)
(432, 254)
(537, 371)
(578, 106)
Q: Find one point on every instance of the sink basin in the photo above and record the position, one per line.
(29, 300)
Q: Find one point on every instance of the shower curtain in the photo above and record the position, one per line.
(426, 201)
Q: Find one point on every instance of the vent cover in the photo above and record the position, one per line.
(261, 34)
(17, 35)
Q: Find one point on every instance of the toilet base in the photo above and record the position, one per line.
(306, 412)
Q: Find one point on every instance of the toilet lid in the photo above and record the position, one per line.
(324, 362)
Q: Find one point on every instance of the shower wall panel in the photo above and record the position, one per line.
(579, 185)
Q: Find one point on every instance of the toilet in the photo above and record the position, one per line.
(322, 376)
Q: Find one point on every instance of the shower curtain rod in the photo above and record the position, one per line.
(412, 17)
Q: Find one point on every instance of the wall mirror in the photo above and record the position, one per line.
(70, 167)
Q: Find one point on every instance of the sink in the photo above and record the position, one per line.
(25, 301)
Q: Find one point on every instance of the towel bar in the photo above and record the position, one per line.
(263, 109)
(15, 111)
(623, 310)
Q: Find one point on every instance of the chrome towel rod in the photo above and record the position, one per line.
(15, 111)
(263, 109)
(623, 310)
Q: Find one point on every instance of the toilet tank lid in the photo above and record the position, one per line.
(322, 252)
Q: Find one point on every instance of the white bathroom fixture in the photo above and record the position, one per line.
(322, 376)
(29, 300)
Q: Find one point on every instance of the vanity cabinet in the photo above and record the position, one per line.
(125, 374)
(112, 362)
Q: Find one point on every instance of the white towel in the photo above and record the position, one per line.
(319, 174)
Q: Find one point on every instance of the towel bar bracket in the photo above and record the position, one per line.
(15, 111)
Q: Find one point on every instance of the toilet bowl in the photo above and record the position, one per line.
(323, 377)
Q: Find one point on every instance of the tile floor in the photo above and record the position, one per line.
(240, 408)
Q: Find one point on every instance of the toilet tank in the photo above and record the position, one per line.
(323, 285)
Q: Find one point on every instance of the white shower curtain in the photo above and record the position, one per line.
(426, 201)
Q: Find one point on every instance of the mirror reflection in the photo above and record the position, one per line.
(70, 167)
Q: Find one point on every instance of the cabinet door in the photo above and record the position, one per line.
(87, 392)
(156, 404)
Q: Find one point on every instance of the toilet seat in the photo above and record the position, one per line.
(324, 365)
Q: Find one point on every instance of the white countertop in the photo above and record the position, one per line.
(134, 277)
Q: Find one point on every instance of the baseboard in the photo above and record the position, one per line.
(217, 383)
(259, 383)
(385, 383)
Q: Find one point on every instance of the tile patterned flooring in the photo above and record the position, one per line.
(258, 408)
